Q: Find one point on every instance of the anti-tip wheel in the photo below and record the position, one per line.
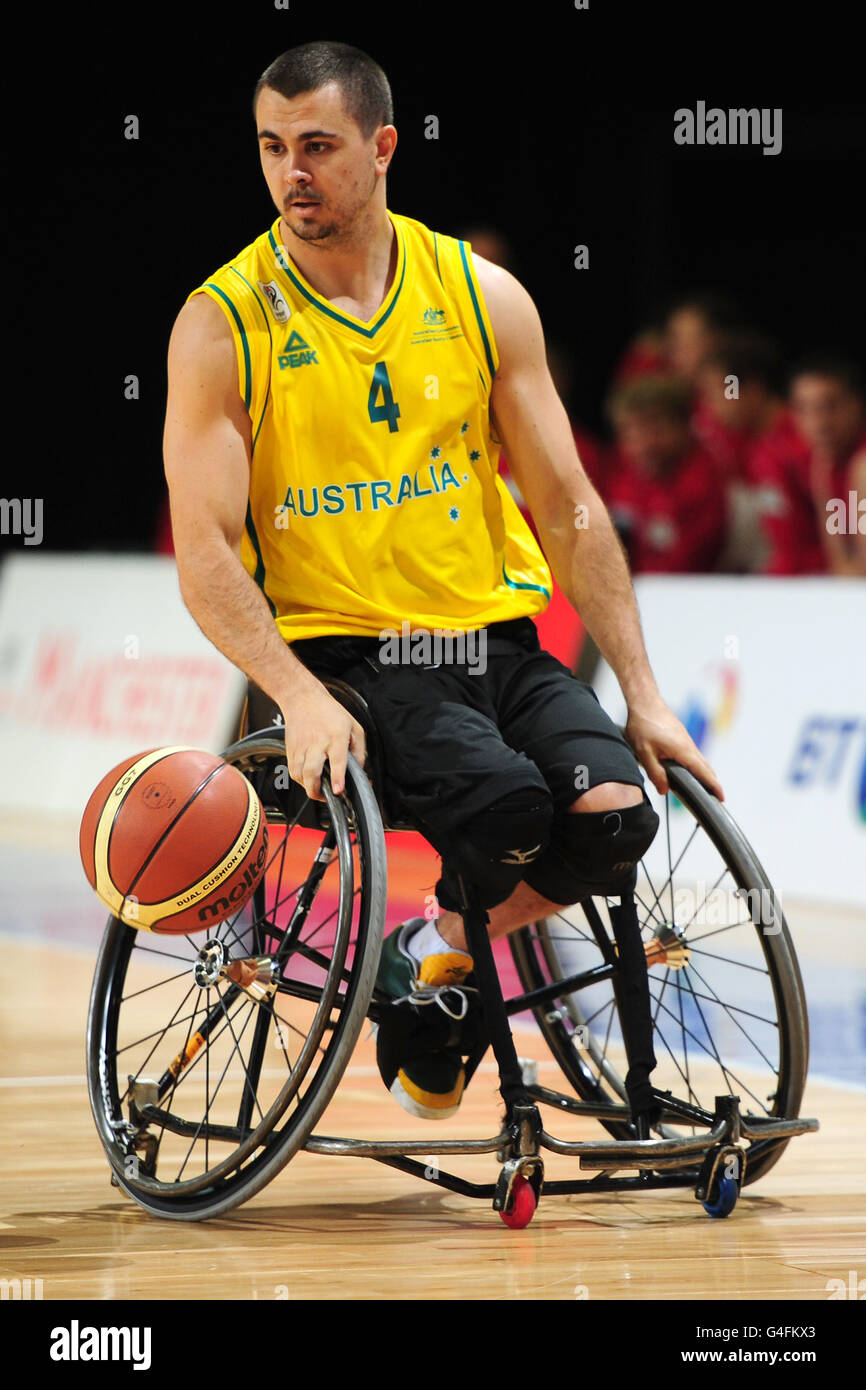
(521, 1208)
(726, 1198)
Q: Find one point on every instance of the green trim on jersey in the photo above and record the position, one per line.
(324, 306)
(243, 278)
(477, 308)
(259, 575)
(248, 385)
(515, 584)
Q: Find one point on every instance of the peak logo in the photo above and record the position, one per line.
(297, 353)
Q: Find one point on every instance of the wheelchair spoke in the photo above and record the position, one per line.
(730, 1010)
(166, 1102)
(719, 931)
(650, 914)
(728, 960)
(727, 1073)
(210, 1100)
(152, 951)
(181, 974)
(691, 1095)
(158, 1034)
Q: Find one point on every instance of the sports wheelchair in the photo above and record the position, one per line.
(211, 1062)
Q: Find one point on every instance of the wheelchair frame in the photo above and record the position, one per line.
(713, 1163)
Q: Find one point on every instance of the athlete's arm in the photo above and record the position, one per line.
(579, 541)
(207, 464)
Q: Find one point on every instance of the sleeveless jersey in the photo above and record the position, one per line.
(374, 494)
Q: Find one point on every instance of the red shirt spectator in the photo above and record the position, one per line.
(801, 482)
(665, 493)
(751, 468)
(673, 522)
(809, 536)
(644, 356)
(727, 445)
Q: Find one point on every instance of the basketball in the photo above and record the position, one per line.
(173, 840)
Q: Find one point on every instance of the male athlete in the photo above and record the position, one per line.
(337, 396)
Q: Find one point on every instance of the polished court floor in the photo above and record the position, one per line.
(335, 1228)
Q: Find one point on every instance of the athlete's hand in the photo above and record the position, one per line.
(318, 727)
(654, 732)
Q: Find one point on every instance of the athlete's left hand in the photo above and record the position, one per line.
(654, 732)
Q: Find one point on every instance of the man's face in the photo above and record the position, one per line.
(828, 415)
(654, 439)
(319, 169)
(688, 341)
(737, 412)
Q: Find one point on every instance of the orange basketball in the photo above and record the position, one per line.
(174, 840)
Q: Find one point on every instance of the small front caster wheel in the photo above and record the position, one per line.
(725, 1198)
(521, 1207)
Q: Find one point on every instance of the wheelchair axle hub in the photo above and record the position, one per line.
(211, 959)
(667, 947)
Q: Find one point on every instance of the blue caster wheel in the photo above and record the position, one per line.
(726, 1199)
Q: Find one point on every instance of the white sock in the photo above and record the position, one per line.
(426, 941)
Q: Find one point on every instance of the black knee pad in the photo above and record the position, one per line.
(494, 849)
(593, 852)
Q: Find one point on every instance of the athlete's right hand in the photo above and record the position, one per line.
(318, 727)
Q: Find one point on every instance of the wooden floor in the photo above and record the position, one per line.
(336, 1228)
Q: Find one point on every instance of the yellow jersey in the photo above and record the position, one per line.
(374, 495)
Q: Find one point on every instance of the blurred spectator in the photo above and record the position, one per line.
(664, 492)
(819, 529)
(747, 427)
(644, 354)
(489, 243)
(694, 326)
(680, 344)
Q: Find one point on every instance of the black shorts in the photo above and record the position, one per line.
(453, 741)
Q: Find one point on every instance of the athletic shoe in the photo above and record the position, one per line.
(430, 1024)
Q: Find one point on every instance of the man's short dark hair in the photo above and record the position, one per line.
(656, 393)
(828, 364)
(719, 311)
(366, 92)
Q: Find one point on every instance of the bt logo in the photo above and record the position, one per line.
(826, 747)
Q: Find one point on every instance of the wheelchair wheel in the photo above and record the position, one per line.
(729, 1012)
(206, 1075)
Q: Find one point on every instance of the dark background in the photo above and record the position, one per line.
(556, 125)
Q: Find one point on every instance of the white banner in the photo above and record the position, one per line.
(99, 660)
(769, 677)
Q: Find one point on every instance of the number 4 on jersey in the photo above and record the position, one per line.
(389, 409)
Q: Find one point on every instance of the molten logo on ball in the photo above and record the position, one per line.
(158, 796)
(240, 892)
